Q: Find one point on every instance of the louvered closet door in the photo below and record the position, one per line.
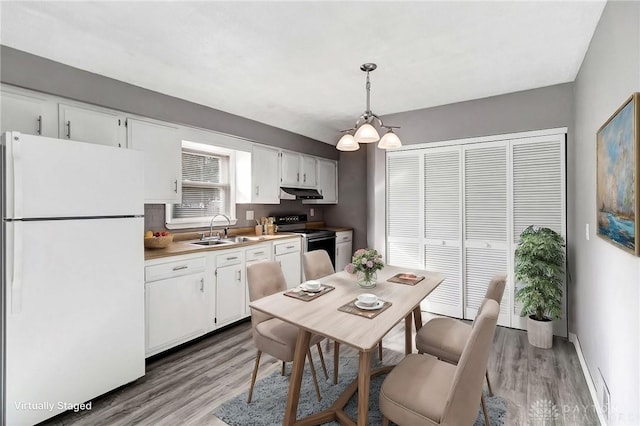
(443, 228)
(485, 223)
(539, 199)
(404, 209)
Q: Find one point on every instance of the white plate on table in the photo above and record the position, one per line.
(309, 290)
(377, 306)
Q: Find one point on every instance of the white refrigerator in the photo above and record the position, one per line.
(72, 273)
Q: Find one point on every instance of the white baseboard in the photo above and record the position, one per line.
(587, 376)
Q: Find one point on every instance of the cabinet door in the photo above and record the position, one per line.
(176, 310)
(162, 160)
(289, 169)
(22, 114)
(485, 222)
(443, 228)
(405, 225)
(87, 125)
(539, 198)
(328, 181)
(344, 252)
(290, 263)
(230, 293)
(309, 172)
(264, 170)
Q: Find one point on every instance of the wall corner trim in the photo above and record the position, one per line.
(573, 338)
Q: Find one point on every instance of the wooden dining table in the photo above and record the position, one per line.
(321, 316)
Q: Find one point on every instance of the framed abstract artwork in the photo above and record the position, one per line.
(617, 191)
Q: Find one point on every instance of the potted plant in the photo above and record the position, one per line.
(540, 266)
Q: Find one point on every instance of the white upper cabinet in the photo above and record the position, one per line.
(28, 114)
(264, 174)
(297, 170)
(258, 176)
(162, 149)
(327, 182)
(309, 171)
(91, 125)
(289, 169)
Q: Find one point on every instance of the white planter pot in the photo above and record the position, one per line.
(540, 333)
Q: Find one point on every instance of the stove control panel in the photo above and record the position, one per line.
(291, 219)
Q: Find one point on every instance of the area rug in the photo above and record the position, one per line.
(270, 397)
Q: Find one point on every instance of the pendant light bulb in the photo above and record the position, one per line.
(367, 134)
(389, 140)
(347, 143)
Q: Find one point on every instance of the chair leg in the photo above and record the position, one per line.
(282, 369)
(336, 358)
(253, 376)
(324, 366)
(488, 383)
(484, 410)
(385, 421)
(380, 350)
(313, 374)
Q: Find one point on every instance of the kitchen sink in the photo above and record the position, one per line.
(212, 242)
(226, 241)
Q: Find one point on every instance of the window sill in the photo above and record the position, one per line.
(185, 225)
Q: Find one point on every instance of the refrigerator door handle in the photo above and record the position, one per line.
(16, 175)
(16, 281)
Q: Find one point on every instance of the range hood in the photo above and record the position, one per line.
(287, 193)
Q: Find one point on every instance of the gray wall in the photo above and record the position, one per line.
(606, 300)
(34, 72)
(543, 108)
(351, 210)
(29, 71)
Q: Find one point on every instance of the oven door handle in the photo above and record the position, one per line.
(313, 240)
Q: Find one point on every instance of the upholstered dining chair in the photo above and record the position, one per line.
(423, 390)
(445, 337)
(317, 264)
(271, 335)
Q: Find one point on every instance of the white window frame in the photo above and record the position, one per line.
(205, 221)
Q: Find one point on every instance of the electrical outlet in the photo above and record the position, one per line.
(312, 212)
(249, 215)
(586, 232)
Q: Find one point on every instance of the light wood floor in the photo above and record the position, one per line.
(186, 385)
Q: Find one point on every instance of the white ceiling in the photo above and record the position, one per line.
(295, 65)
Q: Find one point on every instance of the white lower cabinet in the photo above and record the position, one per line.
(175, 303)
(230, 287)
(288, 254)
(344, 249)
(252, 255)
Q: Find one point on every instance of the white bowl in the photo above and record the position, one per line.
(313, 285)
(367, 299)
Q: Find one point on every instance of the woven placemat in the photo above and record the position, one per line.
(305, 295)
(351, 308)
(408, 281)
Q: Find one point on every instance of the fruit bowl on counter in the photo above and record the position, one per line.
(157, 240)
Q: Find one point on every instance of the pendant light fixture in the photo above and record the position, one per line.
(364, 131)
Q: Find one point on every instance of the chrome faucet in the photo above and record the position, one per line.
(225, 229)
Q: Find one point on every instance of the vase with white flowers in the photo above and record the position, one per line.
(365, 263)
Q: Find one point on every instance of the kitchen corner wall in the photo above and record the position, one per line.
(351, 210)
(605, 307)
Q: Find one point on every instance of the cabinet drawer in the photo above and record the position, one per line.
(174, 269)
(287, 247)
(230, 258)
(257, 253)
(344, 236)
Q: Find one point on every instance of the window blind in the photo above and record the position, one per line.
(204, 190)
